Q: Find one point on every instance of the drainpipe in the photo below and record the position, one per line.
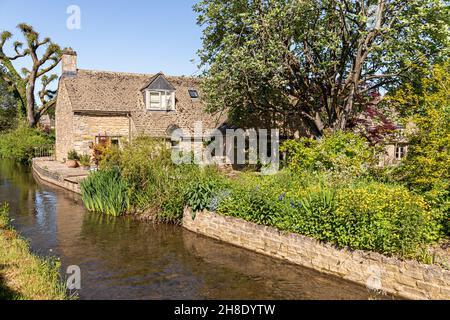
(129, 127)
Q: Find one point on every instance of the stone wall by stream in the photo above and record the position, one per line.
(408, 279)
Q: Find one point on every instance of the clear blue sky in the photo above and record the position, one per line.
(144, 36)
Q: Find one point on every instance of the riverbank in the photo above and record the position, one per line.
(24, 276)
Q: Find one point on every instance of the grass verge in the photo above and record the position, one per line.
(24, 276)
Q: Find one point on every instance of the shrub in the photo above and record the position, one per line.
(426, 169)
(107, 155)
(253, 205)
(20, 143)
(384, 218)
(85, 160)
(343, 153)
(316, 214)
(73, 155)
(363, 215)
(105, 191)
(204, 192)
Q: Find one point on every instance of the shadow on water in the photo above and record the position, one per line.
(121, 258)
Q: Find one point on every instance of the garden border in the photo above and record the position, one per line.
(404, 278)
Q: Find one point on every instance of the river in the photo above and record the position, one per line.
(121, 258)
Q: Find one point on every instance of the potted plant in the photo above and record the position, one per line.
(72, 159)
(85, 161)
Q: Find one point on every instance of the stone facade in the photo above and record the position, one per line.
(86, 128)
(408, 279)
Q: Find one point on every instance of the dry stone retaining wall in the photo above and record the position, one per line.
(408, 279)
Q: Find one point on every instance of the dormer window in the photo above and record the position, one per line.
(160, 100)
(159, 94)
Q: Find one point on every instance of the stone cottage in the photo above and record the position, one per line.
(92, 105)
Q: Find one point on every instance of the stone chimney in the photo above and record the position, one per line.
(69, 62)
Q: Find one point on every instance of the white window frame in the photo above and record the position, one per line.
(400, 152)
(164, 98)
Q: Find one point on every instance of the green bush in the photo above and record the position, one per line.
(426, 110)
(384, 218)
(254, 205)
(200, 194)
(205, 191)
(363, 215)
(342, 153)
(85, 160)
(20, 143)
(154, 183)
(105, 191)
(73, 155)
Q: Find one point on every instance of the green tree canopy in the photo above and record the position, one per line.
(427, 106)
(313, 63)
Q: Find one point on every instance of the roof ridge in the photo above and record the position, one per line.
(135, 74)
(118, 73)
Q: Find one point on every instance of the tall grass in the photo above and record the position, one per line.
(24, 276)
(106, 192)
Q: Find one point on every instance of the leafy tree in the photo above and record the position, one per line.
(23, 83)
(7, 108)
(426, 168)
(427, 106)
(314, 62)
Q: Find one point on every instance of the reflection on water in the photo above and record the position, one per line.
(124, 259)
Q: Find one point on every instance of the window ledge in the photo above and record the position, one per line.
(160, 110)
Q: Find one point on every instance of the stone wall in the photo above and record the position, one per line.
(54, 178)
(87, 127)
(408, 279)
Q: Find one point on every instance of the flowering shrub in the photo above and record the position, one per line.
(384, 218)
(363, 215)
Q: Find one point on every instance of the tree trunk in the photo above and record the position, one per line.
(30, 101)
